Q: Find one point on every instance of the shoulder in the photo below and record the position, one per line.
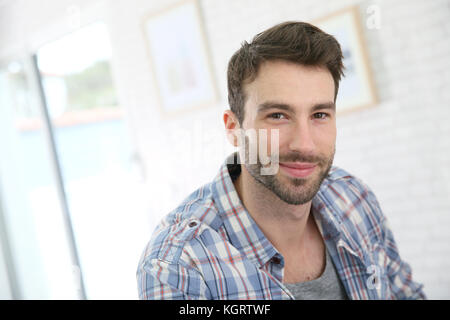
(352, 201)
(182, 227)
(347, 187)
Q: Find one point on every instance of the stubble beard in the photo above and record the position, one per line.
(294, 191)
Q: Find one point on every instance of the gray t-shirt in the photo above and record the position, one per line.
(327, 287)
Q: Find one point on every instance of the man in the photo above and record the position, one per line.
(305, 230)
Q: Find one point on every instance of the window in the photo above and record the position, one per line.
(29, 197)
(104, 200)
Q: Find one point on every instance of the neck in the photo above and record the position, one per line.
(286, 226)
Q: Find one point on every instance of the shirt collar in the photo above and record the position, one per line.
(327, 218)
(243, 231)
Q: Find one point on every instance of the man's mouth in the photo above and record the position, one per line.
(298, 169)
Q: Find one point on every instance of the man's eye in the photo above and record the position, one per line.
(320, 115)
(276, 116)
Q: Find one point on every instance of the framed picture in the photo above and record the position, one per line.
(179, 58)
(356, 89)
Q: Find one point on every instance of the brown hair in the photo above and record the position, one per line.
(297, 42)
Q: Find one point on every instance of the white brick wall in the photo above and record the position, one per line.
(401, 147)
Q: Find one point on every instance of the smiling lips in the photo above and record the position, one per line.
(298, 169)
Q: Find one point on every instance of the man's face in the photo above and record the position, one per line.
(298, 101)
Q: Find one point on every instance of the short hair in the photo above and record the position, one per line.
(297, 42)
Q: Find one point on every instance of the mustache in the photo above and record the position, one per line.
(301, 157)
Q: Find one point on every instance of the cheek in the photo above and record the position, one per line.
(276, 140)
(268, 140)
(325, 137)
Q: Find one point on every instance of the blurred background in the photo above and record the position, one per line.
(94, 150)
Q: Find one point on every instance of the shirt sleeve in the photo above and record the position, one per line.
(397, 281)
(161, 280)
(399, 272)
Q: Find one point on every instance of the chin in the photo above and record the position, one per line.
(297, 191)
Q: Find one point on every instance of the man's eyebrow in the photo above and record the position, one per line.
(282, 106)
(326, 105)
(274, 105)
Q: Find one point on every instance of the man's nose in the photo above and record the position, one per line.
(302, 138)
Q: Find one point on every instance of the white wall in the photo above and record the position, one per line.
(5, 291)
(400, 147)
(5, 287)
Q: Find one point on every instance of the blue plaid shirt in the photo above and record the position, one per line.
(209, 247)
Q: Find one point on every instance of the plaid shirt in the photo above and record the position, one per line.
(211, 248)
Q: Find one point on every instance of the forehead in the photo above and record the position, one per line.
(290, 83)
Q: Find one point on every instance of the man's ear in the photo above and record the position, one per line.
(232, 127)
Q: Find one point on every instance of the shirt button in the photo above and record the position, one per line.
(192, 224)
(276, 260)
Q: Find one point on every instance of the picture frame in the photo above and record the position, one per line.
(356, 88)
(180, 58)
